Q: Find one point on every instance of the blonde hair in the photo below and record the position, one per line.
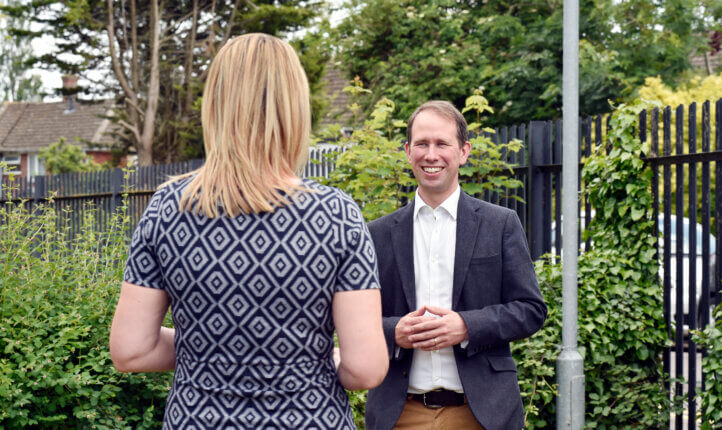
(256, 118)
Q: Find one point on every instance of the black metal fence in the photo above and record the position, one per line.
(686, 185)
(687, 191)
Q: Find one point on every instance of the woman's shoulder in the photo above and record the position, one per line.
(327, 192)
(169, 191)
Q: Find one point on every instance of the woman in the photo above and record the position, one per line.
(257, 265)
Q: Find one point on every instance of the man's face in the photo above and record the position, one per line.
(435, 156)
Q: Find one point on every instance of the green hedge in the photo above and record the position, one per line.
(57, 297)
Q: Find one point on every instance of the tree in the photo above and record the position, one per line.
(16, 84)
(62, 157)
(153, 57)
(413, 50)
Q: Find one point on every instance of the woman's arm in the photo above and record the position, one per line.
(138, 342)
(364, 359)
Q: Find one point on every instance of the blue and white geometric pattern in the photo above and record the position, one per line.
(251, 304)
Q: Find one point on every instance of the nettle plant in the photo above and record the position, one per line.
(57, 297)
(621, 326)
(487, 168)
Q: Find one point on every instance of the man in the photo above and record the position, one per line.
(457, 285)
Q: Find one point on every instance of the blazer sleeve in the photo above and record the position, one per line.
(522, 310)
(379, 234)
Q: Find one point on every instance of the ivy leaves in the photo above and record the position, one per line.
(621, 326)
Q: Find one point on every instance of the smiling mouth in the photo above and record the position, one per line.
(431, 169)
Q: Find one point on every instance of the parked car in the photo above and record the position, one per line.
(686, 262)
(686, 255)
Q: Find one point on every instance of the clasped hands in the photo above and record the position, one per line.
(419, 329)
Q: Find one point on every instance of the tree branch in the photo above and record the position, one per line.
(133, 129)
(117, 69)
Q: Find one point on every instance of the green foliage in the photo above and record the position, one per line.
(535, 356)
(621, 327)
(621, 293)
(710, 411)
(371, 164)
(486, 168)
(57, 296)
(62, 157)
(413, 50)
(16, 84)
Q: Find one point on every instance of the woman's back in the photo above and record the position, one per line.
(251, 304)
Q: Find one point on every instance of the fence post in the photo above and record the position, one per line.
(116, 186)
(536, 203)
(38, 191)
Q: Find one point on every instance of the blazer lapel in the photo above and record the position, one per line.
(402, 236)
(467, 227)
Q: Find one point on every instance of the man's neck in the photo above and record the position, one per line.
(434, 200)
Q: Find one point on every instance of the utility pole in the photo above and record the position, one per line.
(570, 365)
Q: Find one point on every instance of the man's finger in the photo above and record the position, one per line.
(425, 336)
(430, 324)
(420, 319)
(437, 310)
(416, 313)
(433, 344)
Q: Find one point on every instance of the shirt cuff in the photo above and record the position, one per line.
(464, 344)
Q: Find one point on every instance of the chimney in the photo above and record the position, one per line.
(70, 83)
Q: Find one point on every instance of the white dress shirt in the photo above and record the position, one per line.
(434, 249)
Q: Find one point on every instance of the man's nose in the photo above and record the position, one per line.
(432, 152)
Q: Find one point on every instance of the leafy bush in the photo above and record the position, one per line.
(621, 326)
(536, 356)
(63, 157)
(57, 297)
(710, 411)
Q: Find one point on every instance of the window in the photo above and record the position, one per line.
(11, 159)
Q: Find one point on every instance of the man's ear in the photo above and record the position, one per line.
(465, 151)
(407, 150)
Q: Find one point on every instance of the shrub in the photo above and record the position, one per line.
(57, 297)
(63, 157)
(621, 327)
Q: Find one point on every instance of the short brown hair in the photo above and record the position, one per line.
(446, 110)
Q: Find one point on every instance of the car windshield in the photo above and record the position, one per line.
(685, 232)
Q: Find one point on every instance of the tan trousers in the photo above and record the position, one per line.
(416, 416)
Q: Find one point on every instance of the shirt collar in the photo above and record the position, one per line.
(451, 204)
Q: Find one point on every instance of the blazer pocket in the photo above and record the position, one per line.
(486, 260)
(502, 363)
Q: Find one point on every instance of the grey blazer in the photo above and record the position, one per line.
(496, 293)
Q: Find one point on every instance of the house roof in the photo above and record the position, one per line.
(337, 112)
(30, 126)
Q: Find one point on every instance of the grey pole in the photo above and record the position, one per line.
(570, 365)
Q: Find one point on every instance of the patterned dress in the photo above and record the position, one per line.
(251, 305)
